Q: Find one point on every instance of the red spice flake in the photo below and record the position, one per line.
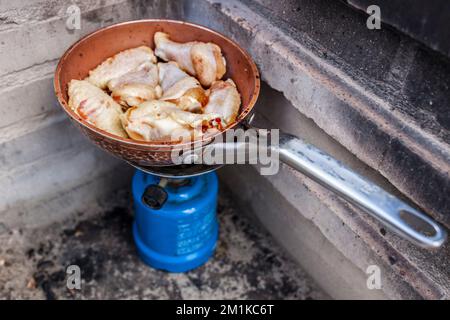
(81, 110)
(82, 114)
(219, 123)
(116, 98)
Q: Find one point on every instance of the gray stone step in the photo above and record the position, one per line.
(247, 263)
(377, 93)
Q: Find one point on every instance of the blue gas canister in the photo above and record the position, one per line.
(175, 227)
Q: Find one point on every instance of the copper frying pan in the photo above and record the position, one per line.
(88, 52)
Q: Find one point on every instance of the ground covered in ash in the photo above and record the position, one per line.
(246, 265)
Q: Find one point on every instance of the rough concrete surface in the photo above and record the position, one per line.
(247, 263)
(379, 94)
(318, 221)
(37, 140)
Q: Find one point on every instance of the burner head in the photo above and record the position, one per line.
(178, 171)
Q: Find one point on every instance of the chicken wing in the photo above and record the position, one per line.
(224, 99)
(135, 87)
(121, 64)
(161, 120)
(95, 106)
(180, 88)
(199, 59)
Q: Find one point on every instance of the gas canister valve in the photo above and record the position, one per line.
(154, 196)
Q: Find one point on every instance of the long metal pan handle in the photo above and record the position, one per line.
(332, 174)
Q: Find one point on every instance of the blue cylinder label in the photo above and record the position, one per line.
(194, 233)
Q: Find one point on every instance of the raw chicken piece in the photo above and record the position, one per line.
(199, 59)
(224, 99)
(95, 106)
(161, 120)
(121, 64)
(135, 87)
(180, 88)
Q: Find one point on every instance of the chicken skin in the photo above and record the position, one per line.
(121, 64)
(135, 87)
(161, 120)
(224, 99)
(95, 106)
(132, 95)
(180, 88)
(201, 60)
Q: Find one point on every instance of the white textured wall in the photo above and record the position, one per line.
(47, 168)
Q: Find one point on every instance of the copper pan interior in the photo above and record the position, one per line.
(91, 50)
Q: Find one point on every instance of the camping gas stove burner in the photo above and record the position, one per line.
(175, 227)
(178, 171)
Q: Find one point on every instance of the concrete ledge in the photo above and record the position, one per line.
(340, 95)
(86, 195)
(247, 263)
(55, 173)
(425, 21)
(332, 240)
(18, 13)
(48, 171)
(34, 146)
(48, 39)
